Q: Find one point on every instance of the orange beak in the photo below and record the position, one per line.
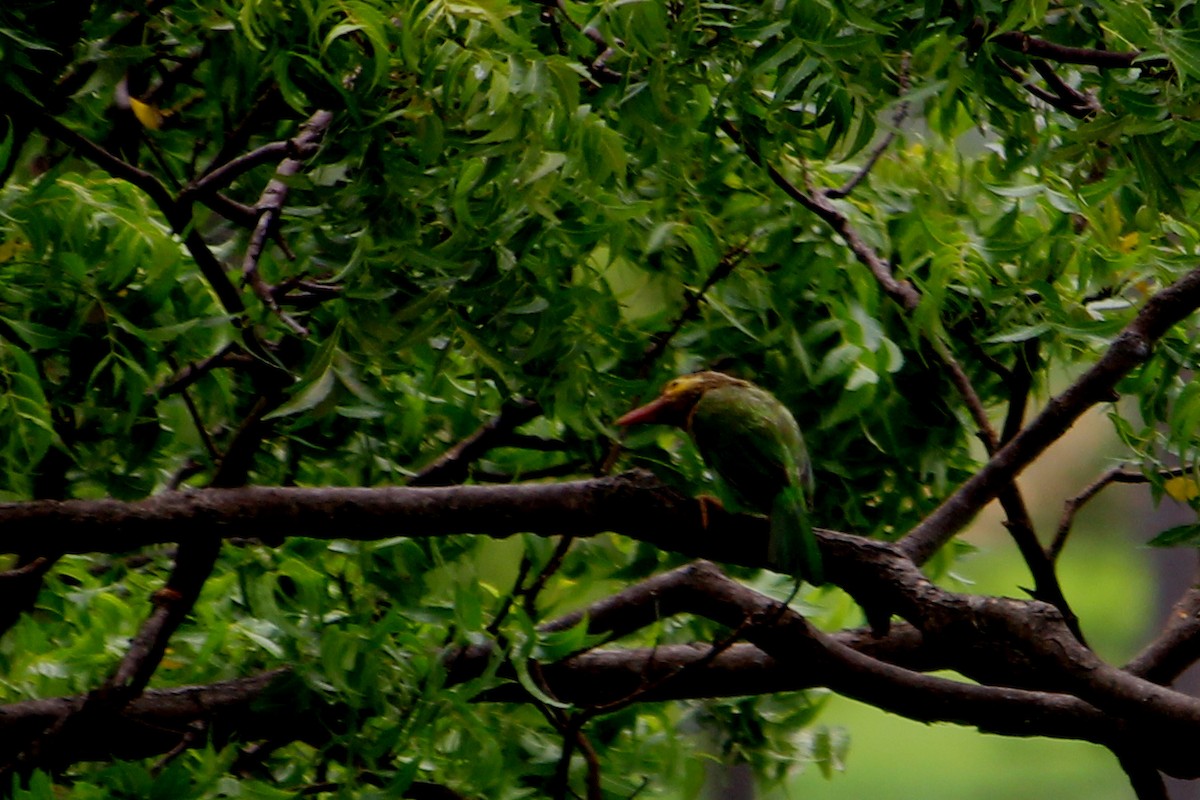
(647, 413)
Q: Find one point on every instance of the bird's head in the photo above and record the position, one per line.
(677, 399)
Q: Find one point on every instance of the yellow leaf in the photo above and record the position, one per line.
(12, 248)
(1182, 488)
(148, 115)
(1127, 242)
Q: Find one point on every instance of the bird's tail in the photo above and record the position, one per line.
(793, 545)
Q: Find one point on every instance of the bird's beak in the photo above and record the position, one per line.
(647, 413)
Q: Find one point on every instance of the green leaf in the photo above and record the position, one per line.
(1177, 536)
(550, 162)
(316, 384)
(1021, 334)
(1183, 48)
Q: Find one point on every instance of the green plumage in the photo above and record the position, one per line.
(753, 443)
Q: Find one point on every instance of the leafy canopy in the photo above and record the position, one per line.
(550, 208)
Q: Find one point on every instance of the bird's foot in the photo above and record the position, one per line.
(707, 501)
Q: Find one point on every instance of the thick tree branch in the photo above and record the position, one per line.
(1020, 643)
(786, 654)
(1176, 648)
(994, 640)
(636, 501)
(154, 722)
(789, 638)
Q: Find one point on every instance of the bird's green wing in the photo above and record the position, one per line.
(752, 442)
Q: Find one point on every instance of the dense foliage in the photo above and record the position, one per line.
(366, 244)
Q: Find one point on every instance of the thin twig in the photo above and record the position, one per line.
(962, 383)
(529, 596)
(229, 354)
(598, 67)
(228, 172)
(201, 429)
(1072, 506)
(1019, 523)
(691, 309)
(268, 103)
(1068, 100)
(179, 219)
(1022, 42)
(493, 628)
(270, 208)
(19, 588)
(453, 466)
(592, 760)
(901, 291)
(1020, 384)
(1085, 104)
(883, 144)
(659, 343)
(186, 742)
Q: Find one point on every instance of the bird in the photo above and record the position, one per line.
(752, 442)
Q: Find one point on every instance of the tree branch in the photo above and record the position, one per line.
(1146, 781)
(180, 222)
(270, 207)
(883, 144)
(659, 343)
(156, 721)
(226, 356)
(901, 291)
(1016, 643)
(1132, 347)
(1176, 648)
(786, 654)
(453, 466)
(1063, 97)
(219, 178)
(1072, 507)
(1028, 45)
(19, 588)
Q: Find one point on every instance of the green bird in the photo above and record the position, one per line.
(753, 443)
